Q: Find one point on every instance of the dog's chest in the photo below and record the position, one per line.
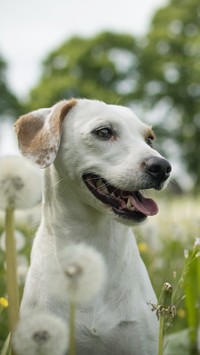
(111, 326)
(97, 330)
(103, 331)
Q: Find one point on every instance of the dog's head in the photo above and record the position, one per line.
(104, 148)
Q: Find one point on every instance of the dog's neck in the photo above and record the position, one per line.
(72, 221)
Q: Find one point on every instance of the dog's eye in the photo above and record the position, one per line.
(103, 133)
(149, 141)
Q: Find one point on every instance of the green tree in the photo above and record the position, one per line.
(9, 105)
(170, 78)
(158, 75)
(100, 67)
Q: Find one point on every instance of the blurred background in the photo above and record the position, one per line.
(143, 54)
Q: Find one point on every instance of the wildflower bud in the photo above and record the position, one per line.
(166, 295)
(40, 334)
(82, 274)
(3, 302)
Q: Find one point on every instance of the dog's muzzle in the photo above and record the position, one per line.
(131, 205)
(158, 170)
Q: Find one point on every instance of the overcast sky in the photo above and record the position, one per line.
(31, 29)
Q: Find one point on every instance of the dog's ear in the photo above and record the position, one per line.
(39, 132)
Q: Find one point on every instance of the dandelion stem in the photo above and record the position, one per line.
(198, 286)
(5, 349)
(11, 270)
(72, 329)
(164, 311)
(161, 334)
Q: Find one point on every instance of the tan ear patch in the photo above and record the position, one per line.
(39, 132)
(149, 133)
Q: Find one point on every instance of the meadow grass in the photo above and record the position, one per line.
(166, 243)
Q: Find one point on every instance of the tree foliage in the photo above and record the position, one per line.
(160, 72)
(9, 105)
(93, 68)
(170, 77)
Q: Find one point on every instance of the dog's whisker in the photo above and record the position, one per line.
(58, 182)
(101, 187)
(106, 185)
(173, 182)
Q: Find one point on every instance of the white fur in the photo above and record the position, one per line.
(119, 321)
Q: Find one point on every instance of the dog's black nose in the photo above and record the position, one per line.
(159, 168)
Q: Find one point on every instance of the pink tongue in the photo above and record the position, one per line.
(144, 205)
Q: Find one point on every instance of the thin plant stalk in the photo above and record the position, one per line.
(198, 287)
(163, 311)
(161, 335)
(72, 350)
(11, 270)
(177, 294)
(6, 346)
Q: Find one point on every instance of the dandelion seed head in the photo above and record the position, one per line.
(81, 277)
(41, 337)
(186, 253)
(73, 271)
(197, 242)
(20, 183)
(20, 241)
(40, 334)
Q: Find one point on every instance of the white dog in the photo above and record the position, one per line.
(97, 158)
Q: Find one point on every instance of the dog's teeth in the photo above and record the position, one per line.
(129, 204)
(99, 183)
(104, 190)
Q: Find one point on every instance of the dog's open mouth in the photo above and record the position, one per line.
(130, 205)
